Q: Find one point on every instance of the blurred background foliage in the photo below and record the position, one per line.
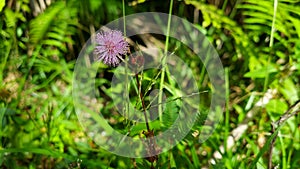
(39, 43)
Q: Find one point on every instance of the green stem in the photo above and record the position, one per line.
(283, 151)
(126, 111)
(124, 21)
(224, 5)
(203, 69)
(234, 9)
(2, 112)
(271, 45)
(160, 94)
(142, 101)
(273, 24)
(227, 108)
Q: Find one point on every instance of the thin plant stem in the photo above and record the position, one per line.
(282, 150)
(234, 9)
(2, 112)
(224, 5)
(160, 94)
(124, 21)
(273, 24)
(203, 69)
(152, 151)
(177, 98)
(143, 102)
(227, 108)
(271, 45)
(139, 88)
(267, 74)
(290, 155)
(126, 112)
(292, 111)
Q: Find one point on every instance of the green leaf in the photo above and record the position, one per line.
(195, 157)
(170, 114)
(172, 161)
(2, 4)
(260, 73)
(11, 18)
(138, 128)
(46, 152)
(276, 107)
(289, 90)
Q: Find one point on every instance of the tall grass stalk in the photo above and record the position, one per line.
(126, 92)
(284, 160)
(227, 113)
(266, 81)
(160, 94)
(273, 29)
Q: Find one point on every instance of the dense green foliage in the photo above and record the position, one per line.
(259, 50)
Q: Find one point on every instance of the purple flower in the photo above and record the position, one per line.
(110, 45)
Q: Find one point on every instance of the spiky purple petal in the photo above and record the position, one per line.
(110, 46)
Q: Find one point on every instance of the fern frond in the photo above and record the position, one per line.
(55, 27)
(41, 24)
(216, 18)
(258, 14)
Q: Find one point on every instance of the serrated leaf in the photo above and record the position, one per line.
(170, 114)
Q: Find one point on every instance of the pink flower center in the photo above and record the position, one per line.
(110, 46)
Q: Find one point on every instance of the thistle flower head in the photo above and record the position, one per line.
(110, 46)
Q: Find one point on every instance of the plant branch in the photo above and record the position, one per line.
(142, 100)
(292, 111)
